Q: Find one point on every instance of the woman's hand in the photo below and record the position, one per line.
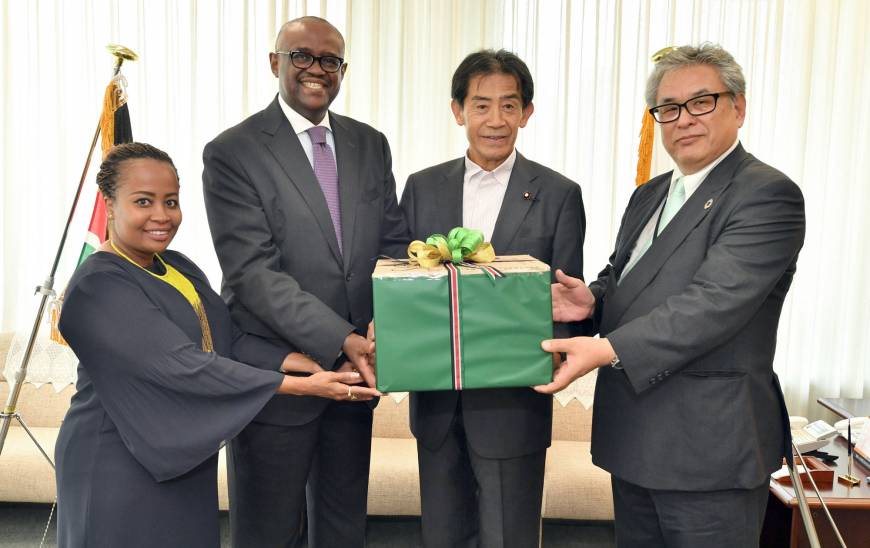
(297, 362)
(328, 384)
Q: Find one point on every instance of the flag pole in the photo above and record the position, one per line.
(47, 288)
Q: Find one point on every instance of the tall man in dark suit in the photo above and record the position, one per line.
(689, 418)
(300, 202)
(482, 452)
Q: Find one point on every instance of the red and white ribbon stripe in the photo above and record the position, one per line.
(455, 332)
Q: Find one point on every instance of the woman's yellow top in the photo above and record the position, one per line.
(177, 280)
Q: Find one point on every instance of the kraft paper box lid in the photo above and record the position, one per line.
(507, 264)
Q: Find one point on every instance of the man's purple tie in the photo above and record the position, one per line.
(327, 176)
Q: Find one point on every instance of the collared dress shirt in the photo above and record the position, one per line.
(691, 184)
(482, 194)
(301, 125)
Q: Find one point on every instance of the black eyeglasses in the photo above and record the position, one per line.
(696, 106)
(303, 60)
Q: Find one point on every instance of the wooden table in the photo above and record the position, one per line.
(850, 507)
(847, 407)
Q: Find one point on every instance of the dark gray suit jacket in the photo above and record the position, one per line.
(284, 278)
(511, 422)
(698, 406)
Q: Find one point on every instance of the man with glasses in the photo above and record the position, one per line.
(689, 418)
(300, 202)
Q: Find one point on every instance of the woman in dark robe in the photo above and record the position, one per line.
(157, 391)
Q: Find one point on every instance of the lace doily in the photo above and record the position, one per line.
(49, 362)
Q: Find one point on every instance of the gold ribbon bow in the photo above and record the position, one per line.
(460, 245)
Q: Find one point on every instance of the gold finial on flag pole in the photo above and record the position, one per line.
(121, 54)
(660, 54)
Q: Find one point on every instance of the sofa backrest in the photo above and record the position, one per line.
(40, 406)
(571, 422)
(391, 419)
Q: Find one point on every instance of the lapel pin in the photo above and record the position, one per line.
(708, 204)
(527, 196)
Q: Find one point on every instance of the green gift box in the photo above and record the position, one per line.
(469, 330)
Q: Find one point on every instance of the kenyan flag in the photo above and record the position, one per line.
(114, 130)
(96, 230)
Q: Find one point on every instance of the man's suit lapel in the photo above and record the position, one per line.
(645, 208)
(449, 197)
(349, 162)
(521, 192)
(282, 142)
(702, 202)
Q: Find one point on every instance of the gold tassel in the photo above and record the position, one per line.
(645, 149)
(111, 102)
(54, 318)
(648, 132)
(207, 343)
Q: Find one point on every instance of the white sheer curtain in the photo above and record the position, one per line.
(204, 67)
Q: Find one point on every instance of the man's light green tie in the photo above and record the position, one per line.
(673, 204)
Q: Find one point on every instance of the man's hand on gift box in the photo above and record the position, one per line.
(360, 351)
(583, 354)
(572, 300)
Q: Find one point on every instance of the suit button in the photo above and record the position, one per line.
(349, 277)
(652, 380)
(667, 373)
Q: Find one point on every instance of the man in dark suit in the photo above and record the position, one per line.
(482, 452)
(300, 203)
(689, 418)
